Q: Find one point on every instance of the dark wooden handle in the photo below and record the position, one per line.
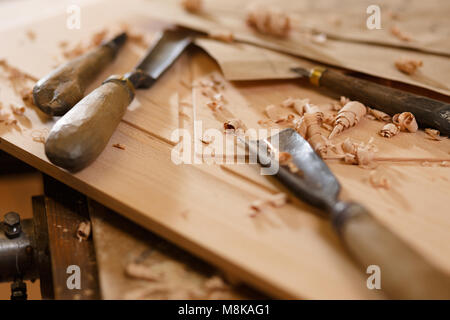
(404, 273)
(61, 89)
(82, 133)
(429, 113)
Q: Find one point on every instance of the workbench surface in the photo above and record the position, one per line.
(287, 252)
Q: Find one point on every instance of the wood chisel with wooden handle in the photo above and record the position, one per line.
(404, 273)
(61, 89)
(82, 133)
(429, 113)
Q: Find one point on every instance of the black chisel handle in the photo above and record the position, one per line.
(429, 113)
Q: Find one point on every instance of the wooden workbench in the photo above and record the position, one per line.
(288, 252)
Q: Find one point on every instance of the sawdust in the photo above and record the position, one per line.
(192, 5)
(271, 21)
(408, 66)
(83, 230)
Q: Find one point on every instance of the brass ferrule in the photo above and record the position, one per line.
(316, 74)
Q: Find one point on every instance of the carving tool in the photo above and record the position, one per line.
(429, 113)
(82, 133)
(61, 89)
(404, 273)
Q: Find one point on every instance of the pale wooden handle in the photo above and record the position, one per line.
(404, 273)
(61, 89)
(82, 133)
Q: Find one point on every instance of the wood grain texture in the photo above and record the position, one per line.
(287, 252)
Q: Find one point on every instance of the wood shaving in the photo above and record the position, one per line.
(235, 125)
(276, 201)
(299, 105)
(11, 122)
(405, 121)
(348, 117)
(39, 135)
(313, 123)
(192, 5)
(378, 181)
(214, 105)
(31, 35)
(379, 115)
(408, 66)
(434, 134)
(119, 146)
(445, 164)
(206, 139)
(141, 271)
(225, 36)
(215, 283)
(98, 37)
(270, 21)
(84, 230)
(400, 34)
(361, 154)
(19, 111)
(389, 130)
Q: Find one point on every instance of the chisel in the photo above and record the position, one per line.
(62, 88)
(429, 113)
(404, 273)
(82, 133)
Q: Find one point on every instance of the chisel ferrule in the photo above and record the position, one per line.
(316, 74)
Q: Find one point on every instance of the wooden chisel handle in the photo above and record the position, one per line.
(82, 133)
(404, 274)
(429, 113)
(61, 89)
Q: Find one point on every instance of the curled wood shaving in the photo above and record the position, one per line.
(313, 122)
(206, 139)
(225, 36)
(348, 117)
(406, 121)
(119, 146)
(445, 164)
(408, 65)
(379, 115)
(361, 154)
(434, 134)
(84, 230)
(235, 125)
(192, 5)
(270, 21)
(39, 135)
(389, 130)
(18, 110)
(141, 271)
(400, 34)
(378, 181)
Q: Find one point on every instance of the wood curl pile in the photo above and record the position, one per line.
(271, 21)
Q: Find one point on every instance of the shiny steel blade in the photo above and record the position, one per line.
(159, 58)
(315, 183)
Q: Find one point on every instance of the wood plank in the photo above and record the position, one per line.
(288, 252)
(178, 275)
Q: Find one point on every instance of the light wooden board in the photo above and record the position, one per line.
(288, 252)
